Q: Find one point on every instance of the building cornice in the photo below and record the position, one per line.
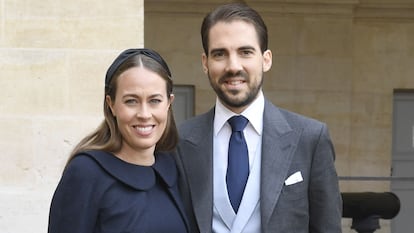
(385, 9)
(359, 9)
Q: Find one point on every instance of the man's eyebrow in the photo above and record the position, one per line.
(247, 47)
(217, 50)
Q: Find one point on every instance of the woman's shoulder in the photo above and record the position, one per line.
(82, 163)
(83, 167)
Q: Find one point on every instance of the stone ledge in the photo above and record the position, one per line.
(390, 9)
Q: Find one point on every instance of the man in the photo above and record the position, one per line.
(289, 180)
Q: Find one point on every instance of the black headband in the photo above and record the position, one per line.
(132, 52)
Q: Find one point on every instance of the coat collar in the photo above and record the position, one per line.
(142, 178)
(135, 176)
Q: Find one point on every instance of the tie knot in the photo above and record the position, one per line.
(238, 123)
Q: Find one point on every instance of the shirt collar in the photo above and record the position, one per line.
(254, 113)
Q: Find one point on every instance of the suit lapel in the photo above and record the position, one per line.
(198, 164)
(278, 146)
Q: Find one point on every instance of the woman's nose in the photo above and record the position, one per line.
(143, 111)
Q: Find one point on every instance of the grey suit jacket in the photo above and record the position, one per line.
(291, 143)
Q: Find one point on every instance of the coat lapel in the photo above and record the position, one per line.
(177, 199)
(198, 164)
(278, 146)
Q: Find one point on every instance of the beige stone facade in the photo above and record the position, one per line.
(53, 59)
(338, 61)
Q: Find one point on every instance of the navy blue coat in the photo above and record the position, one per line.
(99, 193)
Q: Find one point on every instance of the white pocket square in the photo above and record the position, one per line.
(294, 178)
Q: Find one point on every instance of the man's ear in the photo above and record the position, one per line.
(267, 60)
(204, 63)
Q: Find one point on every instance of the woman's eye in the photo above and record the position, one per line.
(130, 101)
(155, 101)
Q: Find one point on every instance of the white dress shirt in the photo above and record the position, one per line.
(223, 214)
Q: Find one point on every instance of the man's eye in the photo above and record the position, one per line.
(247, 52)
(218, 54)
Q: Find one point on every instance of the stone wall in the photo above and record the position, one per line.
(53, 59)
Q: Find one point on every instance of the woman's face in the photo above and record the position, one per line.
(141, 108)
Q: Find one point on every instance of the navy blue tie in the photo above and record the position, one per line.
(238, 161)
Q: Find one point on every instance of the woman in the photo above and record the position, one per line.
(122, 178)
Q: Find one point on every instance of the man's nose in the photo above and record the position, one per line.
(233, 64)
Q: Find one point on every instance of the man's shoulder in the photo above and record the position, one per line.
(299, 116)
(292, 117)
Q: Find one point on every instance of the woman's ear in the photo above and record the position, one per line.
(171, 99)
(108, 101)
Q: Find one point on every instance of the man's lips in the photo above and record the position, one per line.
(235, 82)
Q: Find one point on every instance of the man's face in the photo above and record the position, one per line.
(234, 63)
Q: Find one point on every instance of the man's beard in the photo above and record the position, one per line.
(227, 99)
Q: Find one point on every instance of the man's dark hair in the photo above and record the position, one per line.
(232, 12)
